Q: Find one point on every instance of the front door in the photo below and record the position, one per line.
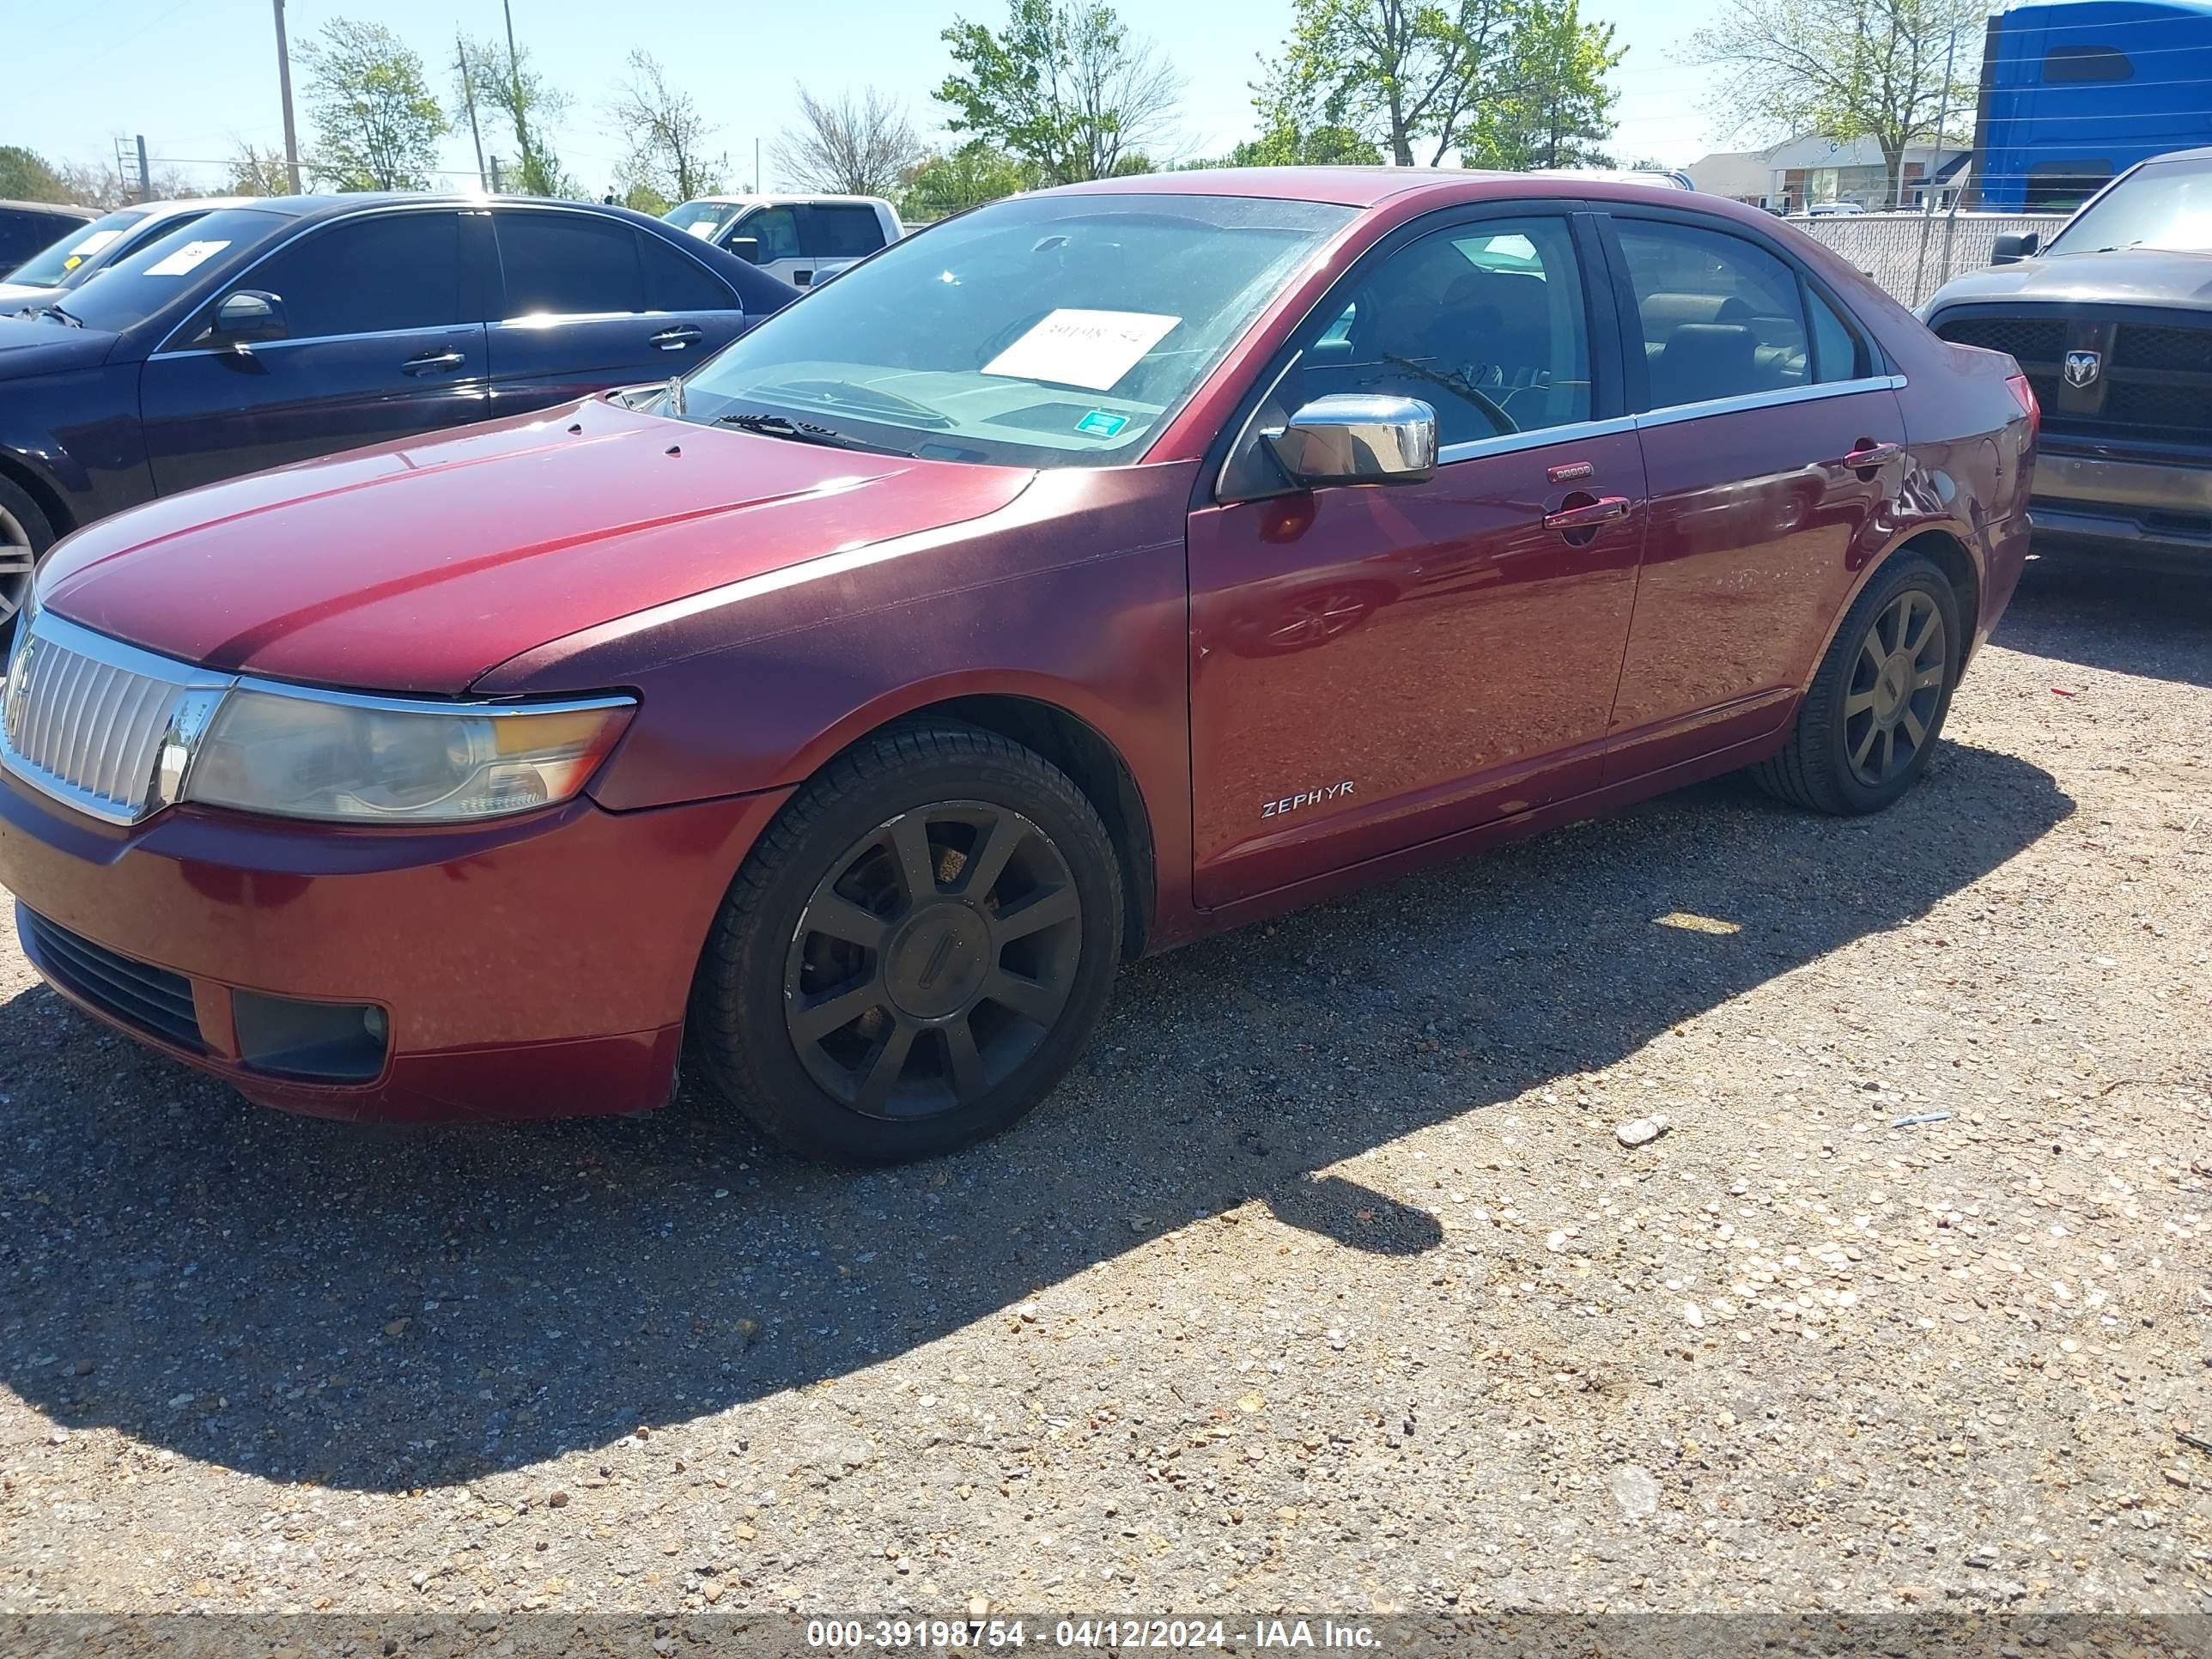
(381, 344)
(1771, 438)
(1374, 666)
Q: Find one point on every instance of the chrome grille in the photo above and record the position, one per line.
(84, 718)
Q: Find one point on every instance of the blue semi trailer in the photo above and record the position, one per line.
(2073, 95)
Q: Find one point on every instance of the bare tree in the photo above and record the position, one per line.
(861, 146)
(257, 172)
(667, 135)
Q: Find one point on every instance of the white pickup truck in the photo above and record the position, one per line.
(801, 239)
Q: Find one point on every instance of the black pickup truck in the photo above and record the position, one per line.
(2111, 322)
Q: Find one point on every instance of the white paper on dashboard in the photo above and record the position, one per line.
(185, 257)
(1092, 349)
(702, 229)
(94, 243)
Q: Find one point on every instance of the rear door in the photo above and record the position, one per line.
(1772, 437)
(583, 302)
(381, 344)
(833, 235)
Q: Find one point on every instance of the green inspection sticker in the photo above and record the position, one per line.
(1102, 423)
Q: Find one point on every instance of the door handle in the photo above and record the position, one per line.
(1868, 455)
(1601, 511)
(674, 340)
(433, 362)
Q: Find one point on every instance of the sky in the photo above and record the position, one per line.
(199, 77)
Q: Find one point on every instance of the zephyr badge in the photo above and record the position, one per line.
(2081, 367)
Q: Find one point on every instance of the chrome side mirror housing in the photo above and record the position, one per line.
(1352, 438)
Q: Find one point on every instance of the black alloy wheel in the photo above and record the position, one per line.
(915, 949)
(1898, 682)
(1868, 725)
(932, 959)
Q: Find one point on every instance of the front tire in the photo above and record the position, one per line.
(1868, 728)
(24, 535)
(915, 953)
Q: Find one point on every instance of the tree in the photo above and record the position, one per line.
(956, 180)
(1559, 108)
(377, 126)
(511, 87)
(257, 172)
(1321, 146)
(25, 176)
(1063, 88)
(1403, 72)
(849, 146)
(668, 158)
(1845, 68)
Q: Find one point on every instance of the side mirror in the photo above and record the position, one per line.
(745, 247)
(1355, 439)
(249, 315)
(2014, 246)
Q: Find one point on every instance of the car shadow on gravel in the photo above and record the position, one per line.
(386, 1310)
(2156, 624)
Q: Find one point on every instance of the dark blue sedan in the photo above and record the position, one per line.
(255, 336)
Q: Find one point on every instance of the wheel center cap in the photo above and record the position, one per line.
(1891, 688)
(937, 961)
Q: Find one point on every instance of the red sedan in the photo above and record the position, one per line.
(1086, 574)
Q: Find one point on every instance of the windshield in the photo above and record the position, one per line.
(137, 286)
(51, 266)
(2163, 204)
(703, 219)
(1054, 331)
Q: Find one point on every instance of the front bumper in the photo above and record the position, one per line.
(536, 968)
(2096, 502)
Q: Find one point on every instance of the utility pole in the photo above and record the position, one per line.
(285, 87)
(757, 191)
(494, 175)
(145, 174)
(469, 97)
(1927, 201)
(514, 74)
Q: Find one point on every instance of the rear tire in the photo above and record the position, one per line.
(1868, 727)
(24, 535)
(915, 953)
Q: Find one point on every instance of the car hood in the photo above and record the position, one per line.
(2127, 277)
(14, 296)
(35, 345)
(416, 567)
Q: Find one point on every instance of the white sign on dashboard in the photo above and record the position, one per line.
(185, 257)
(1091, 348)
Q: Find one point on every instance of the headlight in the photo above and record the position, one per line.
(318, 755)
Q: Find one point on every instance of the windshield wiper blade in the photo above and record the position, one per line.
(804, 431)
(57, 313)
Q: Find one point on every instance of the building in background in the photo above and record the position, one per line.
(2073, 94)
(1801, 173)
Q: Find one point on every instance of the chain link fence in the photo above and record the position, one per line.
(1913, 254)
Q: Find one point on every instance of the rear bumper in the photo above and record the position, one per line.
(537, 969)
(2129, 507)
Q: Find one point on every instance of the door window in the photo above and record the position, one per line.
(676, 282)
(1721, 316)
(1484, 323)
(374, 275)
(568, 264)
(776, 230)
(842, 231)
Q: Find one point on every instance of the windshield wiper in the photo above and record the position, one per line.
(57, 313)
(804, 431)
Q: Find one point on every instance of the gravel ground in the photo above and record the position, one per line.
(1324, 1284)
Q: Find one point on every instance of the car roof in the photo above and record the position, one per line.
(62, 210)
(1371, 186)
(773, 197)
